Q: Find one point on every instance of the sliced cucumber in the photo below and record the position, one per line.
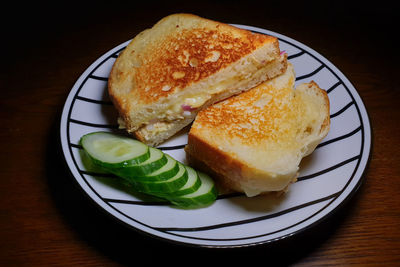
(149, 170)
(205, 195)
(164, 186)
(114, 151)
(167, 171)
(156, 160)
(192, 184)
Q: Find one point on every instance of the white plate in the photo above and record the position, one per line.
(327, 178)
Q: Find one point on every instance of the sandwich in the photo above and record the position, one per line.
(183, 64)
(254, 142)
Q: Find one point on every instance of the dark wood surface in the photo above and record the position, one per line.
(46, 220)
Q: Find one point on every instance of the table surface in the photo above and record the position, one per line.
(47, 220)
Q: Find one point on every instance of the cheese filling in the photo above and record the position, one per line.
(186, 103)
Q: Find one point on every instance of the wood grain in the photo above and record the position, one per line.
(45, 219)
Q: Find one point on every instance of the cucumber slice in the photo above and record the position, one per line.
(167, 171)
(114, 151)
(192, 184)
(156, 160)
(166, 186)
(205, 195)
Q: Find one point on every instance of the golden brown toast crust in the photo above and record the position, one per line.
(190, 56)
(182, 57)
(236, 115)
(327, 122)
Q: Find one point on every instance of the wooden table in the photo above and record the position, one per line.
(47, 220)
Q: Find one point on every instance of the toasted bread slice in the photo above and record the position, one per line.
(254, 142)
(156, 132)
(183, 63)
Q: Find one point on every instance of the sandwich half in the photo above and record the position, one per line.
(183, 64)
(254, 142)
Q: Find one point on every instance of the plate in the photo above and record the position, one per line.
(327, 178)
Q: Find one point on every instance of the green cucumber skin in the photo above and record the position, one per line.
(152, 189)
(161, 187)
(193, 188)
(187, 190)
(180, 191)
(153, 176)
(160, 176)
(202, 199)
(134, 171)
(197, 202)
(121, 164)
(91, 165)
(124, 164)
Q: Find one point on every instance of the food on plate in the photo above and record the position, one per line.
(183, 64)
(110, 151)
(149, 170)
(254, 142)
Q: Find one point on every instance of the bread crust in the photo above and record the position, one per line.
(228, 171)
(167, 55)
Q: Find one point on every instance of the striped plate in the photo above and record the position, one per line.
(327, 178)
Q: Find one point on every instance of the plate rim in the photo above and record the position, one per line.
(94, 65)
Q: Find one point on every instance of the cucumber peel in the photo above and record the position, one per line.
(156, 160)
(166, 186)
(165, 172)
(203, 196)
(192, 184)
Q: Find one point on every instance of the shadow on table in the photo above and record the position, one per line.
(126, 246)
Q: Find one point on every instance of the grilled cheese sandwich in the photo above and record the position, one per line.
(254, 142)
(183, 64)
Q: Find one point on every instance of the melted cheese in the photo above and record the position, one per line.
(197, 100)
